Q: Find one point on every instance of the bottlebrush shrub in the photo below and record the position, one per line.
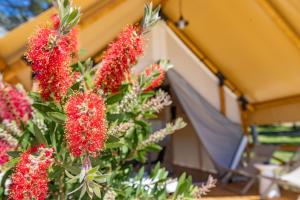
(14, 103)
(88, 125)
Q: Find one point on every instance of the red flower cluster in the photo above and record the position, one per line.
(14, 104)
(118, 59)
(30, 178)
(4, 148)
(55, 21)
(155, 68)
(50, 53)
(86, 124)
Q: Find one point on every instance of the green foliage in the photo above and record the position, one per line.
(151, 17)
(112, 172)
(69, 15)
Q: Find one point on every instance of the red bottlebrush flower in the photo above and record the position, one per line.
(118, 59)
(155, 68)
(86, 124)
(30, 178)
(50, 54)
(72, 40)
(14, 104)
(4, 148)
(55, 21)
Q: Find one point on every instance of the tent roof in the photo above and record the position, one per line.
(247, 42)
(255, 44)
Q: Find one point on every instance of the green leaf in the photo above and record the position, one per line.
(114, 98)
(147, 95)
(72, 180)
(140, 174)
(149, 115)
(63, 22)
(69, 174)
(57, 116)
(101, 178)
(53, 136)
(144, 125)
(141, 156)
(14, 154)
(81, 175)
(57, 172)
(114, 145)
(81, 67)
(155, 170)
(75, 86)
(25, 139)
(42, 107)
(118, 117)
(34, 95)
(83, 191)
(90, 177)
(39, 135)
(89, 80)
(97, 192)
(66, 3)
(181, 186)
(73, 15)
(93, 170)
(73, 168)
(81, 186)
(112, 139)
(153, 148)
(89, 63)
(90, 190)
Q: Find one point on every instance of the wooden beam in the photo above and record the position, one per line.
(277, 102)
(282, 147)
(280, 21)
(222, 100)
(276, 111)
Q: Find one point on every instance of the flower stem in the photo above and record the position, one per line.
(61, 187)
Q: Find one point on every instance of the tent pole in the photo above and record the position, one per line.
(244, 114)
(222, 100)
(245, 122)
